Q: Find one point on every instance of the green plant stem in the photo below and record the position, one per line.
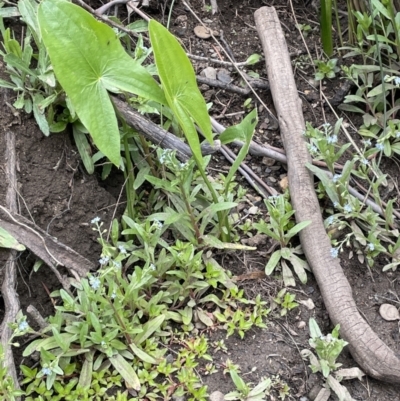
(393, 20)
(326, 26)
(128, 173)
(222, 220)
(170, 13)
(190, 211)
(339, 29)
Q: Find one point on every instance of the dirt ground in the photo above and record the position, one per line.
(59, 196)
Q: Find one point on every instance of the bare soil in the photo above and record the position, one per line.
(55, 191)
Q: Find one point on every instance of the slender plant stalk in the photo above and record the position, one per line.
(190, 211)
(326, 27)
(222, 219)
(130, 179)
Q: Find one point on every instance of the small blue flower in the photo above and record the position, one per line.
(367, 142)
(347, 208)
(95, 220)
(334, 252)
(104, 260)
(46, 371)
(113, 295)
(94, 283)
(332, 139)
(152, 267)
(313, 149)
(117, 264)
(371, 246)
(330, 220)
(326, 126)
(158, 224)
(335, 204)
(121, 248)
(365, 161)
(23, 326)
(379, 146)
(397, 134)
(397, 81)
(336, 177)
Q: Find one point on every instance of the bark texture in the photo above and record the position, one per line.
(373, 355)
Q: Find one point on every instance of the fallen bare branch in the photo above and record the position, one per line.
(10, 297)
(373, 355)
(230, 87)
(158, 135)
(44, 246)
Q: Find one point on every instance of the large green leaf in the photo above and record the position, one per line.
(89, 60)
(179, 83)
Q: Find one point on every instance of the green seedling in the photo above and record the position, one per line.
(286, 301)
(328, 349)
(305, 29)
(244, 392)
(281, 228)
(326, 69)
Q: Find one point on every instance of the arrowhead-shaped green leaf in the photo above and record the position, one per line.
(89, 60)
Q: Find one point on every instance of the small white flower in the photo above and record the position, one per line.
(46, 371)
(380, 146)
(336, 177)
(94, 283)
(313, 149)
(371, 246)
(332, 139)
(23, 326)
(335, 204)
(365, 162)
(397, 81)
(95, 220)
(104, 260)
(158, 224)
(113, 295)
(334, 252)
(152, 267)
(347, 208)
(330, 220)
(117, 264)
(397, 134)
(121, 248)
(367, 142)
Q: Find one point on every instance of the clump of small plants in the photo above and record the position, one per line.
(323, 360)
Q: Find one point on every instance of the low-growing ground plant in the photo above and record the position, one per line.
(281, 229)
(327, 350)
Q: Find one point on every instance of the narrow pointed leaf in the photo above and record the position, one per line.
(179, 83)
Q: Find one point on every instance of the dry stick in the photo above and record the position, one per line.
(256, 182)
(9, 294)
(374, 356)
(158, 135)
(230, 87)
(44, 246)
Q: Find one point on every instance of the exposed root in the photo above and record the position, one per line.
(373, 355)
